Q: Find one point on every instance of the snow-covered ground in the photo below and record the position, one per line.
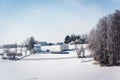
(56, 67)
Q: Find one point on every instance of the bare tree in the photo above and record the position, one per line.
(104, 41)
(8, 54)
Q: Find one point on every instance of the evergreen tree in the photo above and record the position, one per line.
(67, 39)
(30, 43)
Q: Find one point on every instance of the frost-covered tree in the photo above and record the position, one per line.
(104, 41)
(114, 38)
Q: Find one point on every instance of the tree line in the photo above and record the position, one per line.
(104, 40)
(76, 39)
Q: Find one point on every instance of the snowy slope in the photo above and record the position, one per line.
(56, 67)
(50, 56)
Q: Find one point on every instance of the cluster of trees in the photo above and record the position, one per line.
(77, 39)
(11, 54)
(104, 40)
(10, 46)
(29, 43)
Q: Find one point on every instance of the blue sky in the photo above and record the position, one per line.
(50, 20)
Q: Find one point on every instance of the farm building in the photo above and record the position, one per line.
(55, 48)
(37, 47)
(43, 43)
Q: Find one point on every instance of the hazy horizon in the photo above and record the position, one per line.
(50, 20)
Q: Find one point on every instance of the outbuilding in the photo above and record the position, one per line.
(55, 48)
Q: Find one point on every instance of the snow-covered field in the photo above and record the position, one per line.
(56, 67)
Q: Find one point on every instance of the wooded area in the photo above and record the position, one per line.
(104, 40)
